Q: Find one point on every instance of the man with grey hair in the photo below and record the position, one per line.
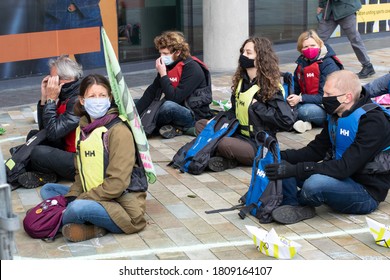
(55, 156)
(342, 166)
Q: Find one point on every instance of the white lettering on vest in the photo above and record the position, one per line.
(344, 132)
(310, 75)
(173, 79)
(260, 173)
(89, 153)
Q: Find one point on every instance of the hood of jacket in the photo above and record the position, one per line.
(69, 90)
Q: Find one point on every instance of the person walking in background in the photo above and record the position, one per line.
(317, 60)
(99, 200)
(343, 13)
(55, 156)
(257, 102)
(179, 76)
(357, 132)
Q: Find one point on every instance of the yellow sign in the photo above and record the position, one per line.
(374, 12)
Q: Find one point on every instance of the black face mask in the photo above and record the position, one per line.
(331, 103)
(246, 62)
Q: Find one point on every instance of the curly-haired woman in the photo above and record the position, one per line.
(257, 102)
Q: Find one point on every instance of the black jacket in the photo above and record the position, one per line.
(191, 79)
(273, 116)
(372, 137)
(58, 126)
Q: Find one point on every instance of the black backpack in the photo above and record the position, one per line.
(16, 165)
(149, 115)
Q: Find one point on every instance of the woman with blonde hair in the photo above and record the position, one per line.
(316, 61)
(257, 102)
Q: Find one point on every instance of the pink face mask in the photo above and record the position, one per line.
(311, 53)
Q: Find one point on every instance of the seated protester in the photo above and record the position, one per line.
(178, 76)
(55, 156)
(356, 134)
(257, 102)
(378, 86)
(98, 200)
(317, 60)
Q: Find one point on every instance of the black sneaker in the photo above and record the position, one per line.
(218, 164)
(169, 131)
(288, 214)
(367, 71)
(31, 180)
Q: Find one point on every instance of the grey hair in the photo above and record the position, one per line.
(67, 69)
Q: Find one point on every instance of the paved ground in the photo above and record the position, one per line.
(178, 227)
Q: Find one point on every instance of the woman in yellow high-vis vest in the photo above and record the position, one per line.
(258, 103)
(99, 199)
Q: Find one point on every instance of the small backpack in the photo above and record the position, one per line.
(16, 165)
(149, 115)
(44, 220)
(194, 156)
(263, 195)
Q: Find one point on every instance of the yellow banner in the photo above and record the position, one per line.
(374, 12)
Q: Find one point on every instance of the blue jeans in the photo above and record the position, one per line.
(313, 113)
(172, 113)
(344, 196)
(81, 211)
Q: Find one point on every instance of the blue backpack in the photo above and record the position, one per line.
(263, 195)
(194, 156)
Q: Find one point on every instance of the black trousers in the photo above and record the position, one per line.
(47, 159)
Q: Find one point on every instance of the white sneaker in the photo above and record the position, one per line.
(301, 126)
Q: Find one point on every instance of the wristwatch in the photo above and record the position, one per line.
(49, 100)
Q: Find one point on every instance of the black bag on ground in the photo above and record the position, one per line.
(149, 115)
(16, 165)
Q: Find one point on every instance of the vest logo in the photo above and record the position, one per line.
(173, 79)
(89, 153)
(344, 132)
(260, 173)
(241, 103)
(310, 75)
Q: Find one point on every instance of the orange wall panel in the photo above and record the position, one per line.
(35, 45)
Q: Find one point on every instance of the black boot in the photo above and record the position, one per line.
(367, 70)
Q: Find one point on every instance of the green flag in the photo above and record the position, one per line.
(126, 106)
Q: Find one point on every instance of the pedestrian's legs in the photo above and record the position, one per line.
(344, 196)
(172, 113)
(326, 28)
(348, 24)
(51, 189)
(81, 211)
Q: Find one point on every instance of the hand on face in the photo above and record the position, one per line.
(160, 67)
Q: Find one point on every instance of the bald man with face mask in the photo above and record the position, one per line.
(335, 168)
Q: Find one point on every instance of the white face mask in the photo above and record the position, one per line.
(97, 107)
(167, 59)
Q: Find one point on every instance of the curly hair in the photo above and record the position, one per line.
(267, 65)
(173, 41)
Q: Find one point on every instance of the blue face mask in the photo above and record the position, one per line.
(167, 59)
(96, 107)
